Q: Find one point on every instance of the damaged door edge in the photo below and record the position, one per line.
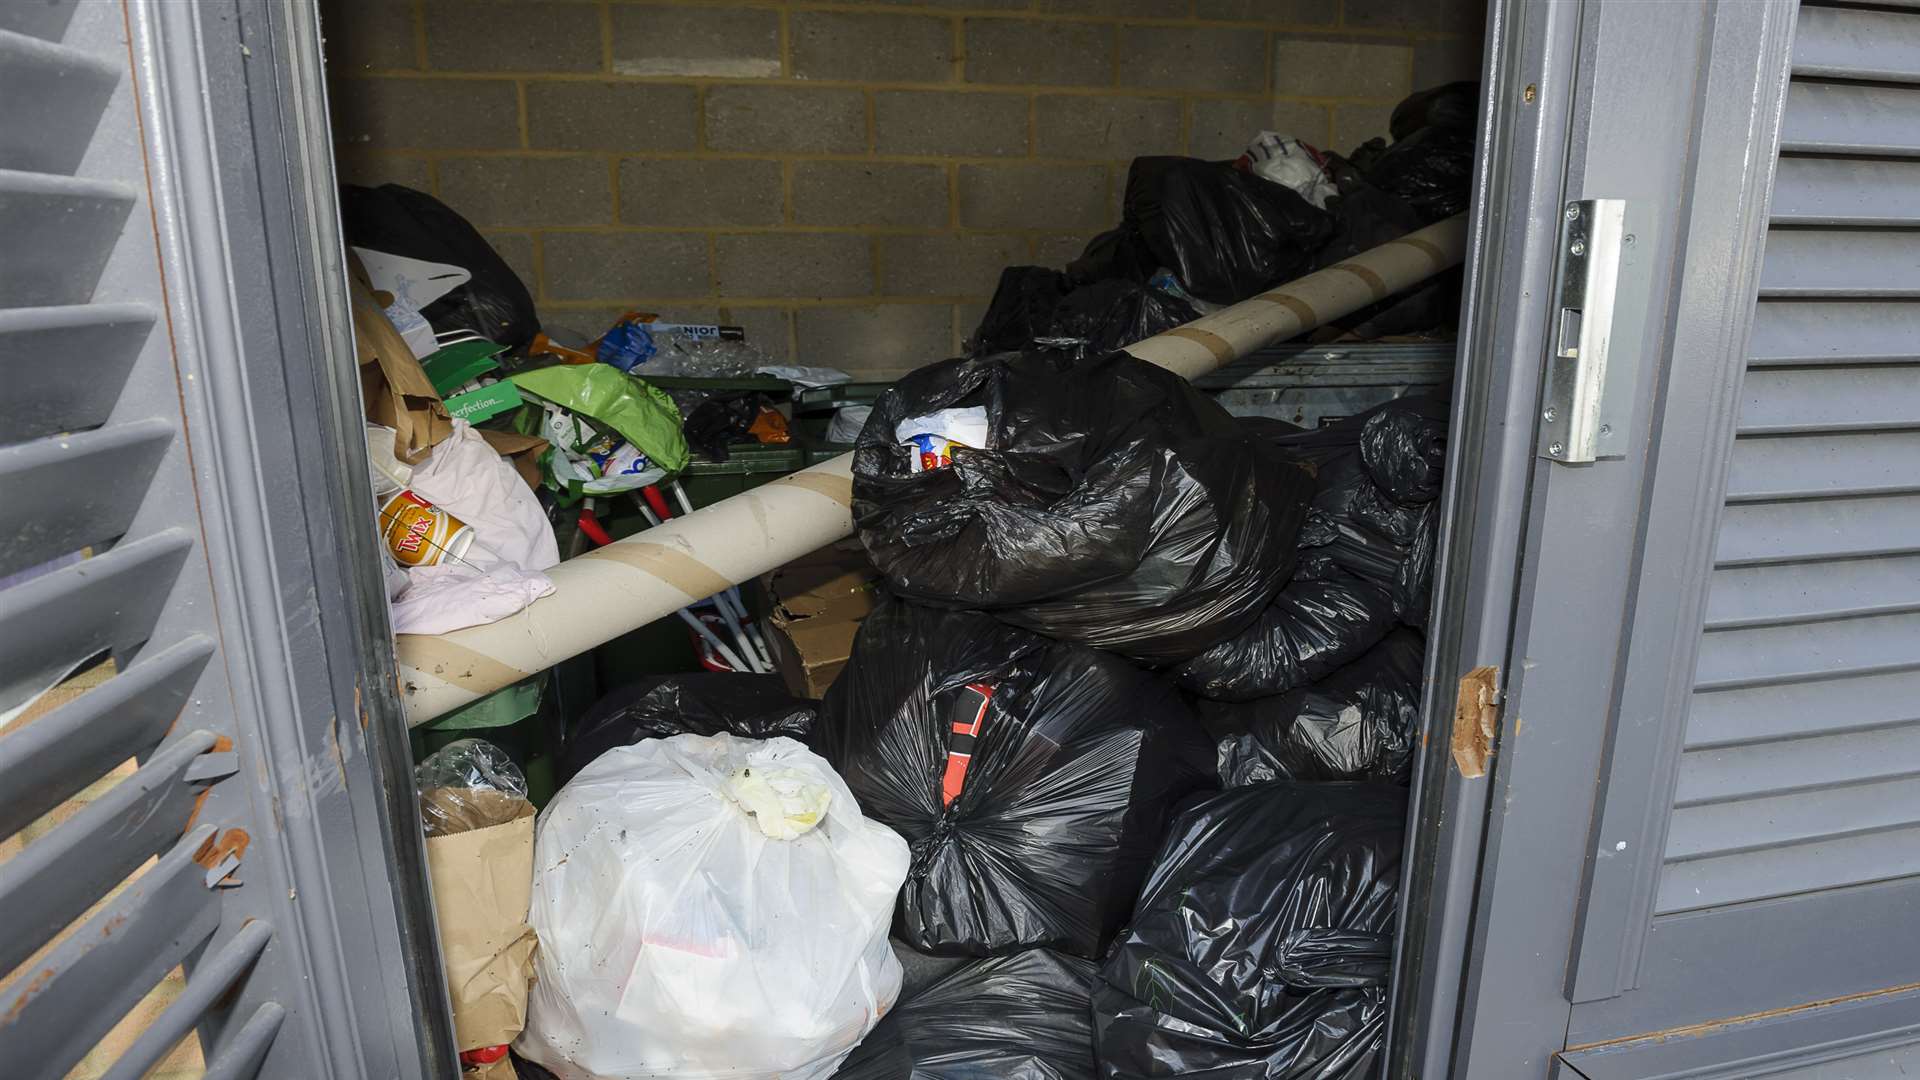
(1476, 720)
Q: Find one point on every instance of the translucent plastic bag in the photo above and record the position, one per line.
(709, 907)
(468, 784)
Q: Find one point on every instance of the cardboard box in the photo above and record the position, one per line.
(814, 607)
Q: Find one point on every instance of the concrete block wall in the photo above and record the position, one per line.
(845, 178)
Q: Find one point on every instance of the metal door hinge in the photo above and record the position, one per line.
(1593, 353)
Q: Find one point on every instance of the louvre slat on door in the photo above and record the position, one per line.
(1835, 332)
(108, 602)
(1842, 118)
(247, 1050)
(62, 752)
(50, 883)
(1797, 710)
(1846, 192)
(1849, 43)
(1775, 532)
(69, 493)
(1836, 263)
(55, 96)
(44, 19)
(60, 231)
(1812, 592)
(213, 977)
(1789, 870)
(1833, 649)
(89, 981)
(1801, 400)
(1764, 821)
(1747, 772)
(96, 345)
(1816, 466)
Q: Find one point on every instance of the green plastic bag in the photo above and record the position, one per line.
(643, 415)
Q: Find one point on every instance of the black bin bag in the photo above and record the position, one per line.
(1311, 630)
(1262, 942)
(1356, 724)
(1430, 162)
(693, 703)
(1114, 504)
(1020, 1017)
(1031, 778)
(1365, 559)
(401, 221)
(1225, 234)
(1036, 305)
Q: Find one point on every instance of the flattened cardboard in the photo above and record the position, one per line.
(521, 451)
(482, 890)
(815, 606)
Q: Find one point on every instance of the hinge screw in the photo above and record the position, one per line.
(1573, 213)
(1606, 429)
(1556, 448)
(1550, 415)
(1579, 247)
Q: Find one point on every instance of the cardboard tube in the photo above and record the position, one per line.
(630, 583)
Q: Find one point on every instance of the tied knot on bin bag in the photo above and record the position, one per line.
(1113, 504)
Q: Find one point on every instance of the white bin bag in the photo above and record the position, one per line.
(709, 907)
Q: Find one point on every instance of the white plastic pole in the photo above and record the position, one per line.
(621, 587)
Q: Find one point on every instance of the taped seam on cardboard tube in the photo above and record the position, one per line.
(1375, 283)
(675, 568)
(1220, 347)
(1300, 308)
(832, 485)
(1440, 259)
(453, 663)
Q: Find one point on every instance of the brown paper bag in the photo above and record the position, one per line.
(482, 888)
(396, 389)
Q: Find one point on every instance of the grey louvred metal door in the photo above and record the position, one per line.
(165, 529)
(1698, 853)
(1779, 818)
